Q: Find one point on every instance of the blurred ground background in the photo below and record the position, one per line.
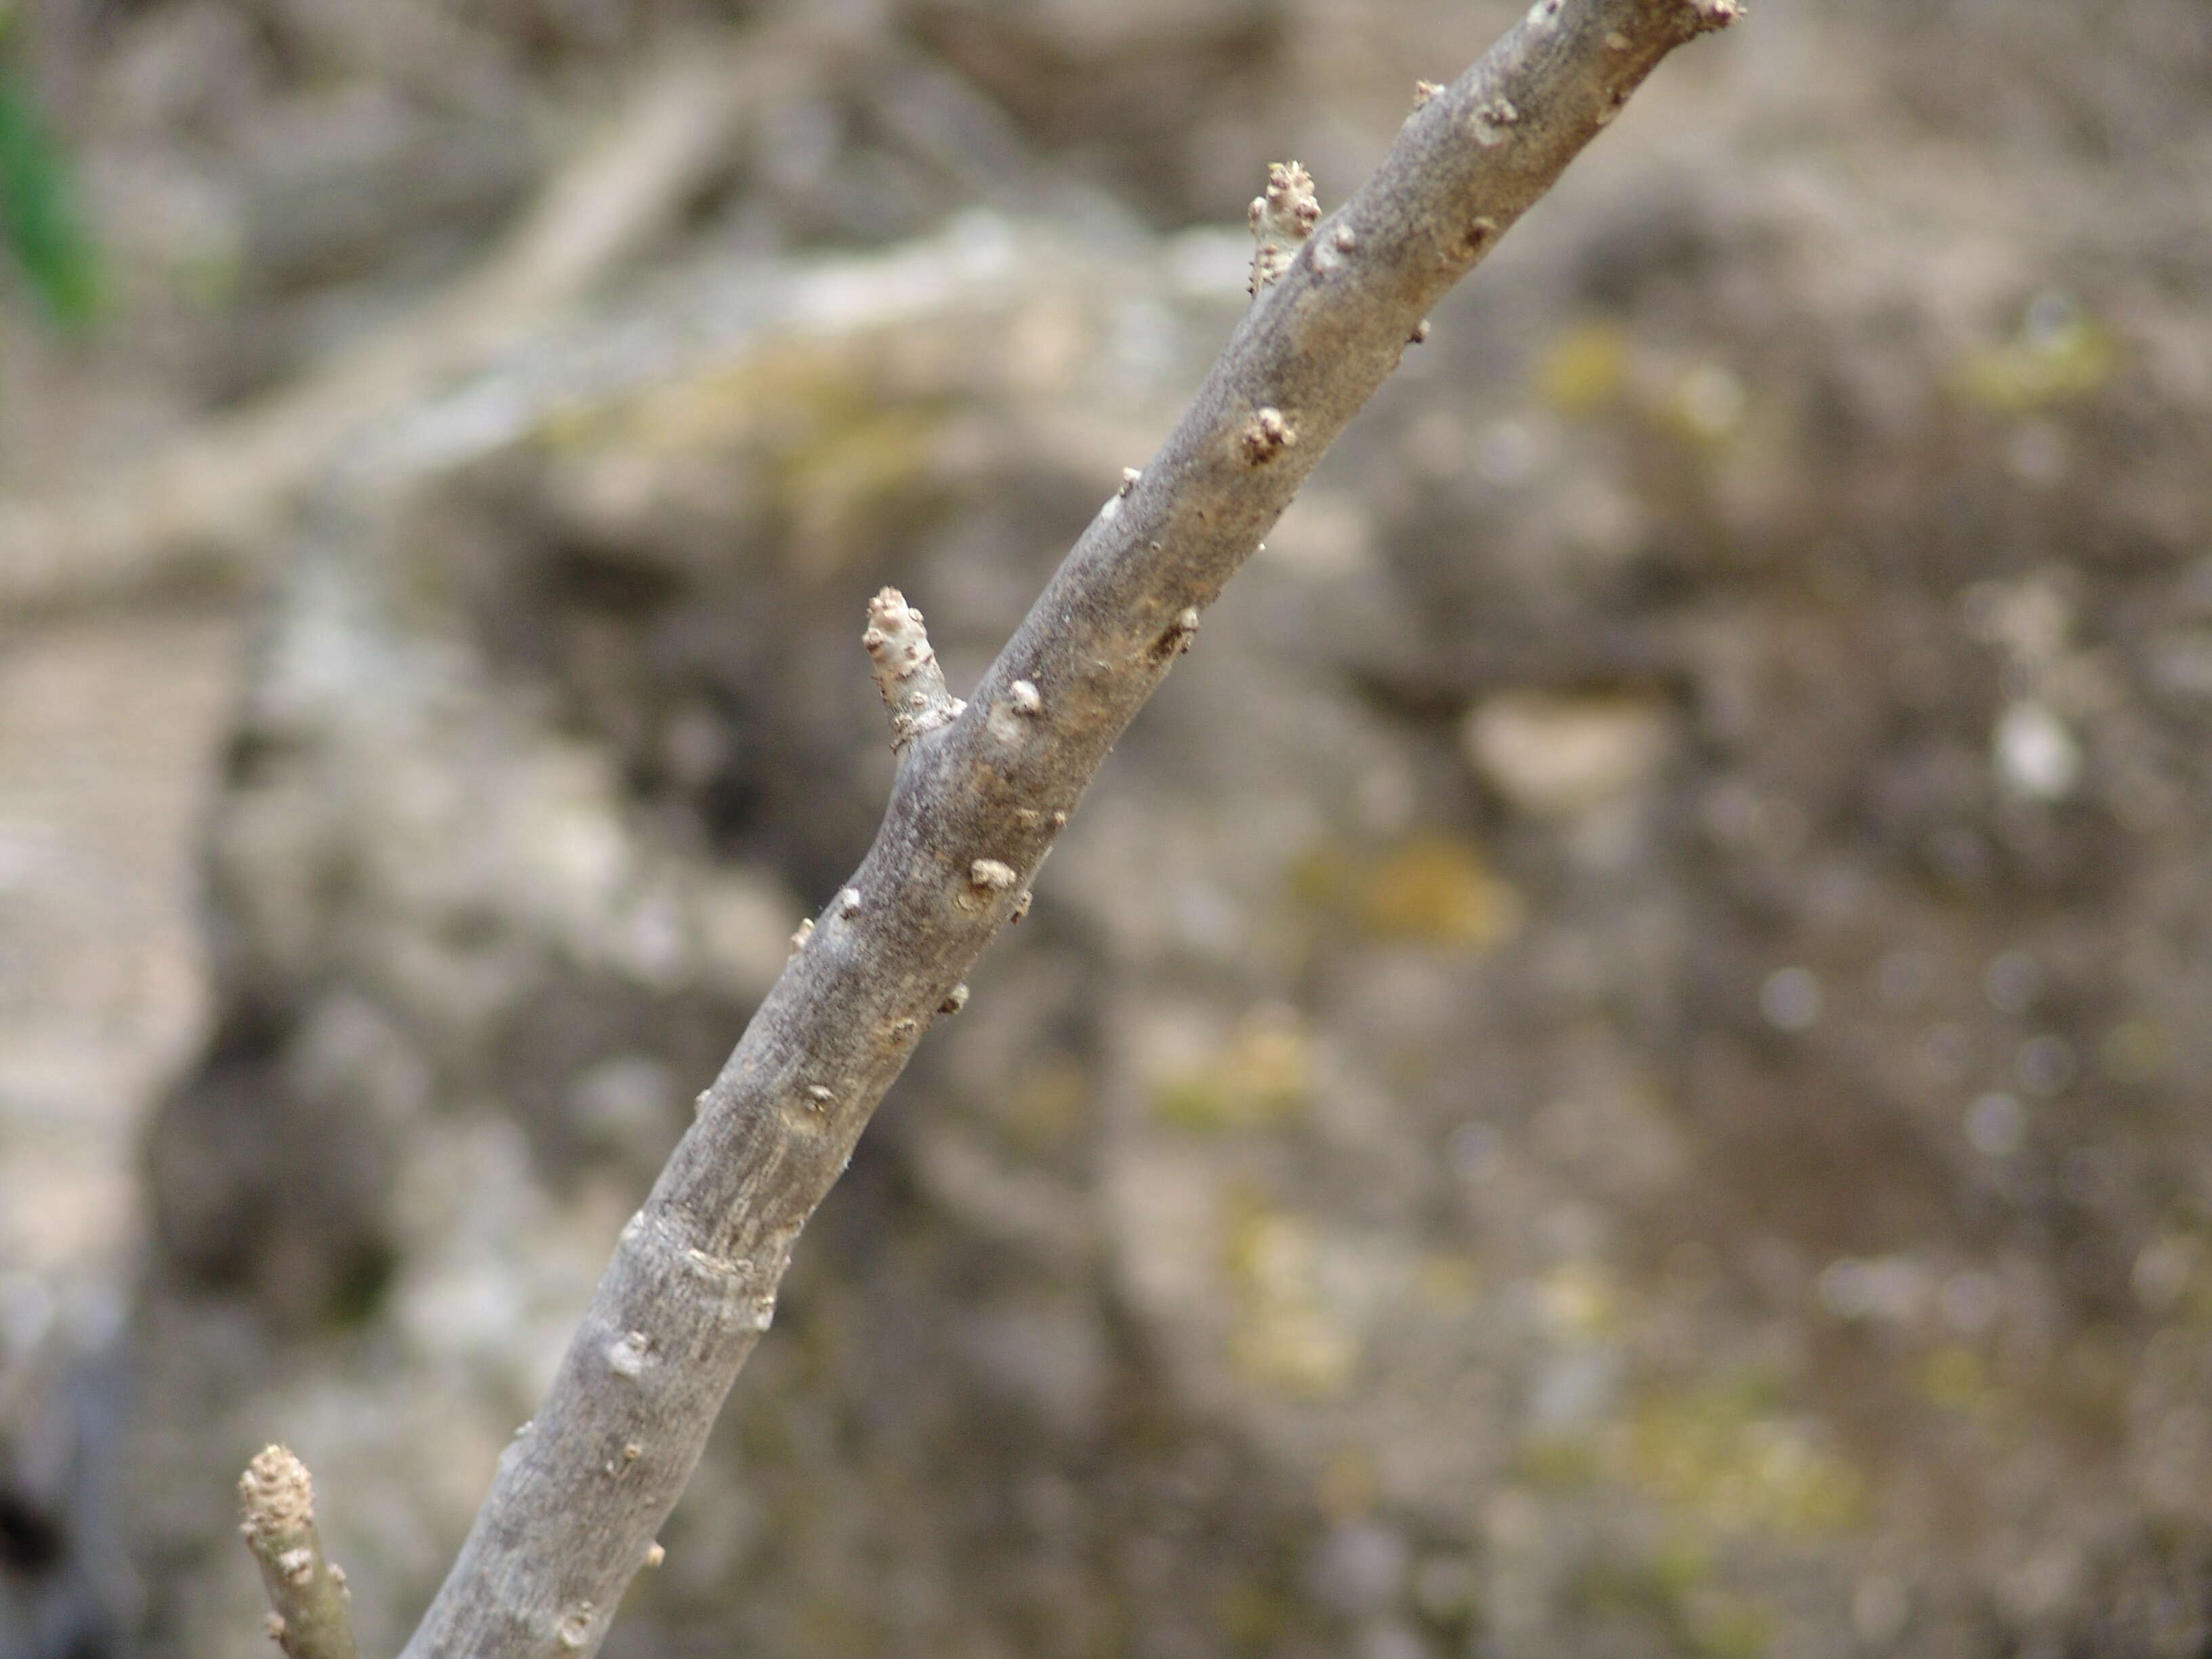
(1618, 1066)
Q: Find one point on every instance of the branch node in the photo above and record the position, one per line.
(575, 1626)
(1266, 435)
(1022, 903)
(1025, 698)
(627, 1355)
(1130, 475)
(991, 873)
(1491, 119)
(1182, 635)
(1420, 332)
(1281, 218)
(655, 1554)
(908, 674)
(1328, 256)
(800, 934)
(848, 902)
(955, 1001)
(1424, 90)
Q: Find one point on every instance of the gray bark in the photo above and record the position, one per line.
(979, 800)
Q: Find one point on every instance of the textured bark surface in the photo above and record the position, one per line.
(583, 1489)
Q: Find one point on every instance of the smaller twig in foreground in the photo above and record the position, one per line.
(312, 1616)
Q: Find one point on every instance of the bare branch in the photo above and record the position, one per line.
(311, 1615)
(978, 802)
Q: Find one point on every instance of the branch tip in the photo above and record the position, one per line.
(309, 1614)
(906, 671)
(1282, 218)
(277, 1493)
